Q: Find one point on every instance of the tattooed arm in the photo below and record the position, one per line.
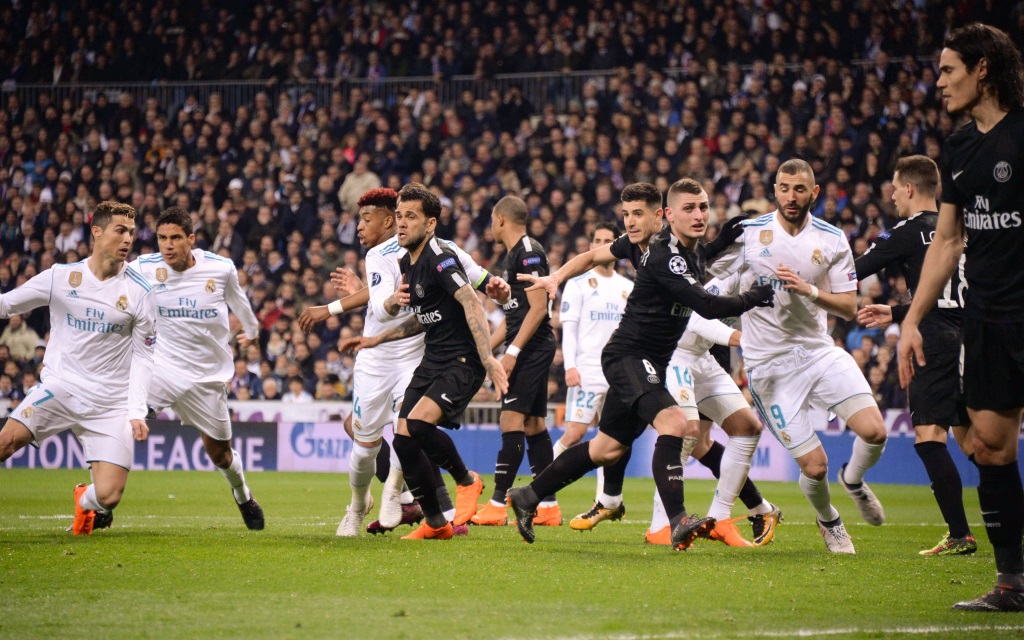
(477, 321)
(407, 329)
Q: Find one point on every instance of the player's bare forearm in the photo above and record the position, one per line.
(534, 317)
(407, 329)
(476, 319)
(842, 304)
(498, 336)
(939, 263)
(356, 300)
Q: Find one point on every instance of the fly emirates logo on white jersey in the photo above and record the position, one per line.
(187, 308)
(981, 219)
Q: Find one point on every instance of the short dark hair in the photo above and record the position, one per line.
(417, 192)
(920, 171)
(383, 197)
(607, 226)
(513, 208)
(642, 192)
(107, 209)
(178, 216)
(686, 185)
(795, 166)
(1005, 71)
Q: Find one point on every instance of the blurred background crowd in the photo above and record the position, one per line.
(268, 120)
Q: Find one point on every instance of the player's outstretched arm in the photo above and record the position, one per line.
(33, 294)
(580, 264)
(313, 316)
(875, 316)
(939, 263)
(476, 318)
(407, 329)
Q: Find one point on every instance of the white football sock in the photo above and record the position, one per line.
(362, 463)
(600, 485)
(818, 495)
(659, 519)
(89, 502)
(558, 448)
(609, 502)
(689, 443)
(761, 509)
(449, 515)
(735, 466)
(864, 457)
(235, 476)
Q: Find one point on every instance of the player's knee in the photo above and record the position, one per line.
(419, 428)
(875, 434)
(815, 470)
(221, 458)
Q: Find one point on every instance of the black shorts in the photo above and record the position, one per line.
(935, 390)
(992, 376)
(636, 395)
(451, 386)
(528, 384)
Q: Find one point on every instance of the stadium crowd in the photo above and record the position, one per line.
(722, 91)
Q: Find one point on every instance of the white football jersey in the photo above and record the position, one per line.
(102, 334)
(701, 334)
(192, 315)
(595, 303)
(383, 278)
(819, 253)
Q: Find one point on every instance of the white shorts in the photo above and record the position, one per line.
(584, 403)
(795, 392)
(50, 408)
(377, 393)
(718, 397)
(203, 405)
(679, 381)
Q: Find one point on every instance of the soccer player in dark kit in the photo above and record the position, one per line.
(456, 359)
(980, 75)
(934, 390)
(529, 351)
(670, 267)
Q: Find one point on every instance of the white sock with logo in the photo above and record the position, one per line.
(235, 475)
(735, 466)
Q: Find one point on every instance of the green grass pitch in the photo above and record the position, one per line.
(178, 562)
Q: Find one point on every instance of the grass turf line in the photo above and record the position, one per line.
(178, 562)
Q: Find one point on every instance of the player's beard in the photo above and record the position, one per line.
(799, 217)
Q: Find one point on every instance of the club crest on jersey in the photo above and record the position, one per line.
(121, 304)
(1002, 172)
(684, 395)
(817, 258)
(75, 278)
(161, 275)
(785, 438)
(27, 412)
(210, 287)
(766, 237)
(677, 265)
(592, 282)
(625, 294)
(419, 291)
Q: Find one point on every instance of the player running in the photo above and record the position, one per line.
(797, 375)
(193, 289)
(97, 366)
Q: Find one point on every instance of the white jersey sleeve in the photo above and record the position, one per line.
(572, 303)
(239, 304)
(33, 294)
(383, 278)
(842, 273)
(143, 348)
(730, 261)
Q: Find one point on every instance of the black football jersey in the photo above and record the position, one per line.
(667, 290)
(903, 247)
(982, 174)
(525, 256)
(433, 281)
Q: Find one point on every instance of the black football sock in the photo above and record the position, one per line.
(419, 476)
(1002, 508)
(566, 469)
(615, 474)
(440, 449)
(668, 476)
(510, 456)
(541, 453)
(383, 461)
(444, 499)
(946, 485)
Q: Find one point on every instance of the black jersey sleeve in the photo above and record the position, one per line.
(948, 170)
(899, 312)
(622, 248)
(445, 263)
(672, 272)
(888, 248)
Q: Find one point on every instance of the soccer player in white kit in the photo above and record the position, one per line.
(97, 365)
(592, 305)
(797, 375)
(193, 289)
(696, 380)
(382, 373)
